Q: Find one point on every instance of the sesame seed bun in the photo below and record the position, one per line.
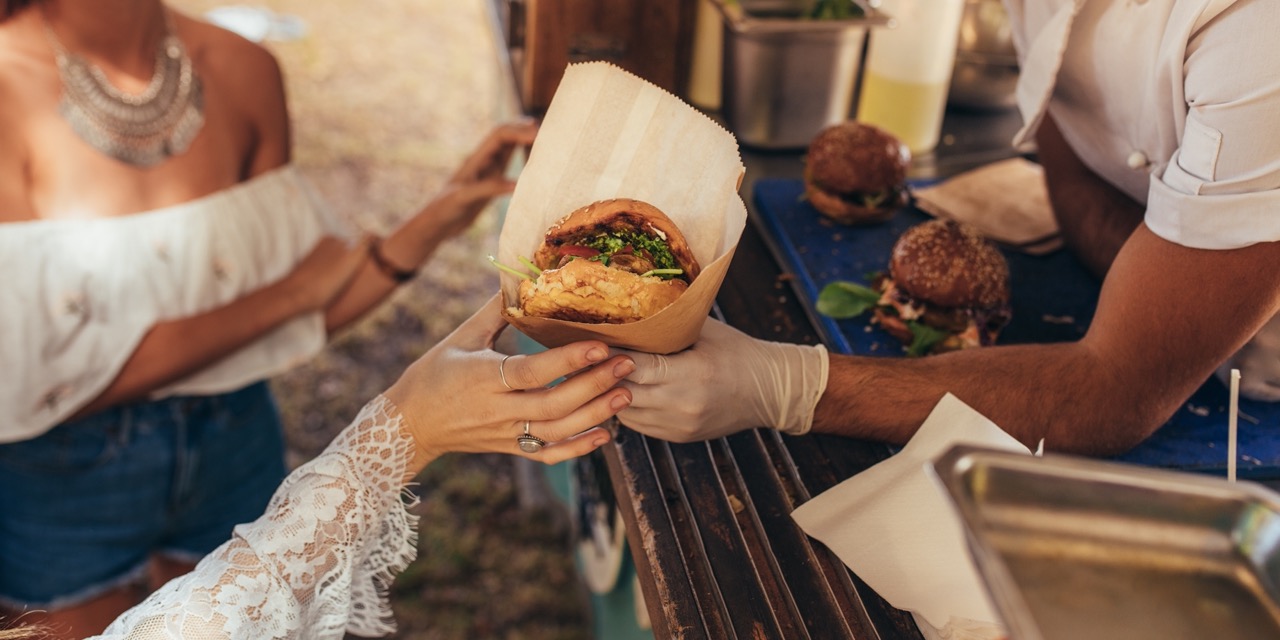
(950, 264)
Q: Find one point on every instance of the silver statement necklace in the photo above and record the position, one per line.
(141, 129)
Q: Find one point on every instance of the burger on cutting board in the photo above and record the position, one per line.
(946, 289)
(856, 173)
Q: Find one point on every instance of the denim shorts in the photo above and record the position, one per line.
(85, 505)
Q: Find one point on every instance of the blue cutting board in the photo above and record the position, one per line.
(1053, 299)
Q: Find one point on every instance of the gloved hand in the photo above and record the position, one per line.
(1259, 364)
(726, 382)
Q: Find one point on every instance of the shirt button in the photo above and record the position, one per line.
(1136, 160)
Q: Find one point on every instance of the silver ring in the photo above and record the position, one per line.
(530, 443)
(503, 373)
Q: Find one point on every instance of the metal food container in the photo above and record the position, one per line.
(985, 75)
(784, 78)
(1077, 548)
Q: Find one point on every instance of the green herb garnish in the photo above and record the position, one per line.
(657, 250)
(515, 272)
(663, 272)
(529, 263)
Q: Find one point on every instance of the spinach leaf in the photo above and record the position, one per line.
(842, 299)
(923, 338)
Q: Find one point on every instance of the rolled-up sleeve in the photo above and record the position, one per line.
(1221, 189)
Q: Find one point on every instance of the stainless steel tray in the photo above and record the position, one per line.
(1072, 548)
(785, 78)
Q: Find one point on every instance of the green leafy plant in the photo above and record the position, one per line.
(835, 10)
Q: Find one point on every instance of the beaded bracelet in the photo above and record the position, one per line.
(389, 270)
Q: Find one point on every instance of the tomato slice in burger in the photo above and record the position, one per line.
(578, 251)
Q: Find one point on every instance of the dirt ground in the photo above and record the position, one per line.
(387, 96)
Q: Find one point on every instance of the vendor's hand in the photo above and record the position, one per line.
(726, 382)
(481, 178)
(454, 399)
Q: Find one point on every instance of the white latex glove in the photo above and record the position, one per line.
(1259, 364)
(726, 382)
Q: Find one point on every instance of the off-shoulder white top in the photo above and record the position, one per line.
(80, 294)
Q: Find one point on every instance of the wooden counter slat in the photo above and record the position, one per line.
(703, 580)
(818, 599)
(671, 579)
(759, 606)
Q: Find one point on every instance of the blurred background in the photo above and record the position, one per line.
(387, 97)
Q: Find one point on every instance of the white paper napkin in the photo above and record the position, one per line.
(892, 525)
(1006, 200)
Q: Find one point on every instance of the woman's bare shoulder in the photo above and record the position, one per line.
(24, 52)
(28, 87)
(230, 56)
(246, 76)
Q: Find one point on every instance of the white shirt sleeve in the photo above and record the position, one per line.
(317, 564)
(1222, 188)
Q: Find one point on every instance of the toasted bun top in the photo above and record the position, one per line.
(950, 264)
(852, 157)
(613, 215)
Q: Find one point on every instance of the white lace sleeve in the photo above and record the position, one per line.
(316, 564)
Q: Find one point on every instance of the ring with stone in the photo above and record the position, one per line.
(530, 443)
(502, 373)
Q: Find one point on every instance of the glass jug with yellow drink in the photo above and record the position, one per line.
(908, 70)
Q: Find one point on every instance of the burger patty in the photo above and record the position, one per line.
(897, 304)
(891, 197)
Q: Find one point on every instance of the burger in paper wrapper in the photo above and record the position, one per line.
(612, 261)
(624, 220)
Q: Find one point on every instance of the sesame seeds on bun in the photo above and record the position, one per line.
(950, 264)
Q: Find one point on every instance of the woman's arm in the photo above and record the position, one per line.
(318, 562)
(480, 179)
(173, 349)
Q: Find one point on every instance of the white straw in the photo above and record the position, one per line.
(1231, 425)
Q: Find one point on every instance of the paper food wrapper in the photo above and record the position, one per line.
(894, 527)
(1006, 200)
(609, 134)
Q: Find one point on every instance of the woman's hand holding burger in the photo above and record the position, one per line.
(464, 397)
